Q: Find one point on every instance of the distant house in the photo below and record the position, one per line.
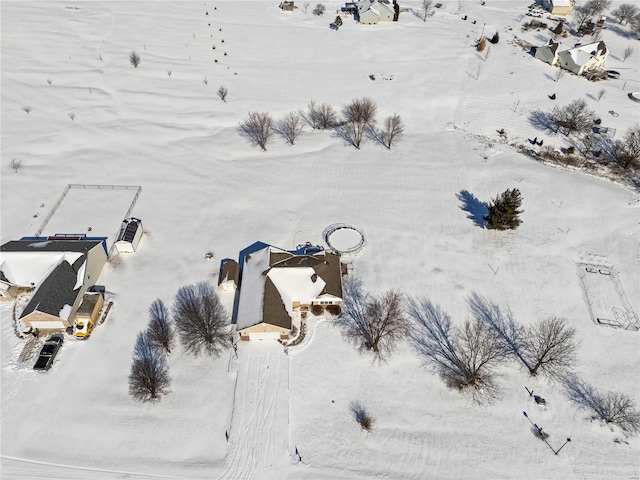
(129, 235)
(371, 12)
(548, 53)
(287, 6)
(279, 287)
(58, 269)
(584, 58)
(559, 7)
(229, 275)
(579, 59)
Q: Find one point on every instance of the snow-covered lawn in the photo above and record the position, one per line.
(205, 189)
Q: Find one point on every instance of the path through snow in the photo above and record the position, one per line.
(259, 432)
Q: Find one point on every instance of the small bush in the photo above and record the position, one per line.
(16, 165)
(319, 10)
(495, 39)
(134, 59)
(361, 416)
(481, 45)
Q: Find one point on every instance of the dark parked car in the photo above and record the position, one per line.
(48, 352)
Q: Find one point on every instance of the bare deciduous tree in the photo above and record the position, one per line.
(600, 94)
(551, 347)
(510, 335)
(626, 152)
(149, 378)
(373, 323)
(222, 93)
(575, 117)
(464, 358)
(134, 59)
(160, 330)
(627, 53)
(558, 74)
(201, 320)
(611, 407)
(290, 127)
(625, 12)
(359, 116)
(426, 9)
(588, 10)
(321, 116)
(319, 10)
(393, 129)
(327, 116)
(258, 128)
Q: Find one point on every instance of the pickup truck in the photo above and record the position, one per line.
(48, 352)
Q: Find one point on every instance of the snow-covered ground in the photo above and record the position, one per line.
(205, 189)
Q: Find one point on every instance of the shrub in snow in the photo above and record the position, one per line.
(222, 93)
(504, 211)
(258, 128)
(361, 416)
(160, 331)
(149, 378)
(201, 320)
(611, 407)
(481, 45)
(319, 10)
(290, 127)
(134, 59)
(372, 323)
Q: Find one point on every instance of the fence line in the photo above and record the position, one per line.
(53, 210)
(79, 186)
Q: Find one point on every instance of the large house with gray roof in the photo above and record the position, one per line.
(58, 269)
(278, 288)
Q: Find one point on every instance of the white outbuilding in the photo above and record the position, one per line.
(129, 235)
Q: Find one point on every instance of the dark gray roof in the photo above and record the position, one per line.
(57, 290)
(230, 270)
(325, 264)
(273, 310)
(41, 244)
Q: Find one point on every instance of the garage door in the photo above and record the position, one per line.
(264, 336)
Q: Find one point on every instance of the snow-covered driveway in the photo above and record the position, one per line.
(259, 432)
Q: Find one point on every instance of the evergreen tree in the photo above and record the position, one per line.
(504, 211)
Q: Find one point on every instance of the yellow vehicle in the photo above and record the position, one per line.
(87, 314)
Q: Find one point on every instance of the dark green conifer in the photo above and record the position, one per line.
(504, 211)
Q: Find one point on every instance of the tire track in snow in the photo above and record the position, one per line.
(254, 434)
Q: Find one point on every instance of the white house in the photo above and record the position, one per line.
(548, 53)
(579, 59)
(58, 270)
(584, 58)
(371, 12)
(278, 288)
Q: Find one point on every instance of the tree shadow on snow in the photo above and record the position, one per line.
(476, 209)
(541, 120)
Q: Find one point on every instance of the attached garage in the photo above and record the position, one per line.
(264, 331)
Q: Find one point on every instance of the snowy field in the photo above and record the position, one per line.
(205, 189)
